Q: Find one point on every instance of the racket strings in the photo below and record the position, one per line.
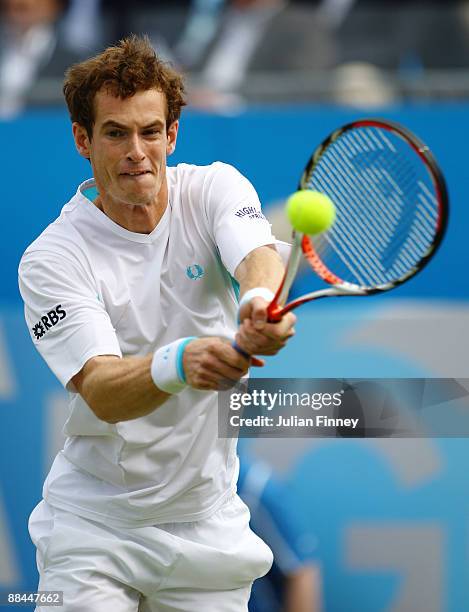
(384, 224)
(351, 238)
(346, 242)
(348, 236)
(380, 240)
(387, 212)
(381, 183)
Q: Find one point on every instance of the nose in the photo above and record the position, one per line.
(135, 152)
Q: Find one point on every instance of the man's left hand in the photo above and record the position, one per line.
(258, 337)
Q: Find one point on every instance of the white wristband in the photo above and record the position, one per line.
(167, 369)
(262, 292)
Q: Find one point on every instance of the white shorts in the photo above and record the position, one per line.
(207, 565)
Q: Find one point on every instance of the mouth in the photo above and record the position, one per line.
(136, 173)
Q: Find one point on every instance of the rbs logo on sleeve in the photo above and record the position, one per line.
(48, 321)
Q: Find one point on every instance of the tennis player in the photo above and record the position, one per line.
(129, 297)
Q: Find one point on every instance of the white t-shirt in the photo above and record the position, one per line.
(91, 288)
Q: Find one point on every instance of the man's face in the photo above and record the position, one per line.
(129, 147)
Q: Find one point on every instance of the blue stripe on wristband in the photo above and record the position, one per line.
(167, 370)
(179, 358)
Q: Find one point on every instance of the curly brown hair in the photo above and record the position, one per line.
(130, 66)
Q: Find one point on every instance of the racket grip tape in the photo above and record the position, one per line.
(237, 348)
(254, 360)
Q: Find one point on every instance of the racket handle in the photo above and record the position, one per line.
(254, 360)
(237, 348)
(274, 312)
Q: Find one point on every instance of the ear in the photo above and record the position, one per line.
(172, 137)
(82, 141)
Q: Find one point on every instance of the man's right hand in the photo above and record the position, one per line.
(213, 364)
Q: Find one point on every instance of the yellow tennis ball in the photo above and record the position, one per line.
(310, 212)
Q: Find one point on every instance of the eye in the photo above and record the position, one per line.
(115, 133)
(151, 132)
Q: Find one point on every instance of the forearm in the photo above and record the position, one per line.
(262, 267)
(119, 389)
(124, 389)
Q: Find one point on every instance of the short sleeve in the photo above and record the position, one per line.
(67, 321)
(238, 223)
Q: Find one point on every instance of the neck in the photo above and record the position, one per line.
(138, 218)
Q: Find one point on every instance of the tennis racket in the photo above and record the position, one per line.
(391, 213)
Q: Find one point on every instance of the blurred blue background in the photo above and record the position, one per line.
(390, 517)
